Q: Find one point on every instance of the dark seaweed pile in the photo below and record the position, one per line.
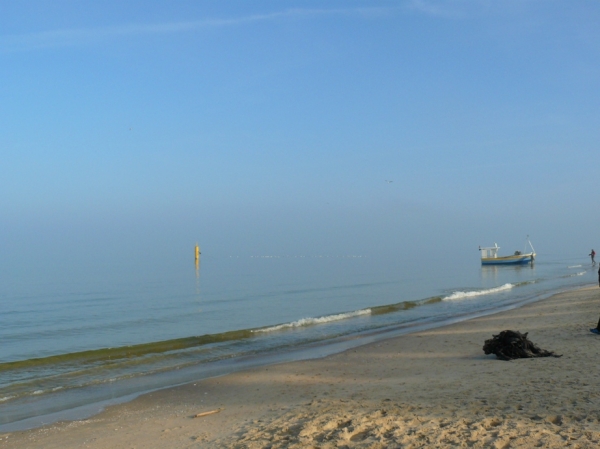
(509, 345)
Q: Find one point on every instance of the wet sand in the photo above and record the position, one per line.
(434, 388)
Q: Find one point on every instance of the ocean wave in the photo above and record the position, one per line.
(312, 321)
(574, 266)
(489, 291)
(522, 283)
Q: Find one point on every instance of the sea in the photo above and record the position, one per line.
(75, 339)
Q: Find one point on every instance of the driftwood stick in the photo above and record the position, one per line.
(212, 412)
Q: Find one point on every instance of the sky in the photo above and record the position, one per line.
(298, 127)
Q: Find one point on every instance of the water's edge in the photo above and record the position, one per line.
(55, 407)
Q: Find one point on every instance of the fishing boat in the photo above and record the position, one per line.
(489, 256)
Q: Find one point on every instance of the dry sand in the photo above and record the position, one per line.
(429, 389)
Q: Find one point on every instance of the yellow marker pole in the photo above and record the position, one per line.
(197, 254)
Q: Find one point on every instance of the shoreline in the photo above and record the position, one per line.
(430, 387)
(83, 403)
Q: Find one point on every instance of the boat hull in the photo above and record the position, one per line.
(508, 260)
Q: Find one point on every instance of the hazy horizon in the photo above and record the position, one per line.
(275, 128)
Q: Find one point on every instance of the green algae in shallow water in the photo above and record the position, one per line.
(160, 347)
(125, 352)
(406, 305)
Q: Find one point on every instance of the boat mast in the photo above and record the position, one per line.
(529, 241)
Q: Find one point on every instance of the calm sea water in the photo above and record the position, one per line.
(79, 335)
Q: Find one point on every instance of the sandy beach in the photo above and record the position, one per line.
(434, 388)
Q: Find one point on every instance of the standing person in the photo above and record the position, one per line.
(592, 255)
(596, 330)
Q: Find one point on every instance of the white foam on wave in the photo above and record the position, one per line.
(579, 274)
(6, 398)
(574, 266)
(489, 291)
(312, 321)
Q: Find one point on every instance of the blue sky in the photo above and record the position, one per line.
(271, 127)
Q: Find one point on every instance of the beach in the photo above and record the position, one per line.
(433, 388)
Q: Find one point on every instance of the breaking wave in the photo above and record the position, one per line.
(489, 291)
(312, 321)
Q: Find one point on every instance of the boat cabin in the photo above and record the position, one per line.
(489, 252)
